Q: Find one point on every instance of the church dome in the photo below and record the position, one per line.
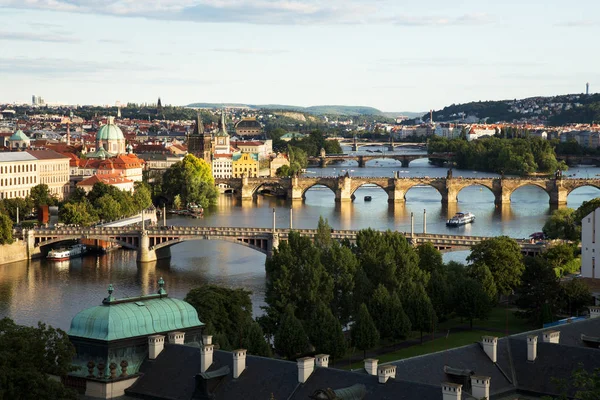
(110, 131)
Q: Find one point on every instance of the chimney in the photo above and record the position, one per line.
(176, 337)
(531, 348)
(490, 346)
(385, 372)
(322, 360)
(239, 362)
(480, 387)
(551, 337)
(451, 391)
(306, 366)
(594, 311)
(371, 366)
(207, 339)
(206, 357)
(156, 344)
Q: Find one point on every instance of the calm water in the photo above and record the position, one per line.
(55, 292)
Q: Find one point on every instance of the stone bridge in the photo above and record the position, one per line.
(577, 160)
(405, 159)
(154, 243)
(389, 144)
(344, 187)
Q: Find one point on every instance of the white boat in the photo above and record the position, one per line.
(65, 254)
(460, 219)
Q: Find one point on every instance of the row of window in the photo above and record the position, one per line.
(53, 167)
(25, 192)
(25, 180)
(9, 169)
(55, 179)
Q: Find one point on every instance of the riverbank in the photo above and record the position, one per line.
(10, 253)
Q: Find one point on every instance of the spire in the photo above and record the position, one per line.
(222, 125)
(199, 128)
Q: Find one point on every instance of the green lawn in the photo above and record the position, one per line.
(499, 320)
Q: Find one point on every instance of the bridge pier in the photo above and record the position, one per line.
(405, 162)
(558, 194)
(144, 254)
(361, 162)
(354, 147)
(323, 162)
(33, 251)
(344, 190)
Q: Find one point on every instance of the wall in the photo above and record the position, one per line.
(10, 253)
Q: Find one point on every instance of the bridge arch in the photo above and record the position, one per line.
(533, 184)
(481, 185)
(259, 244)
(421, 184)
(256, 189)
(422, 157)
(77, 237)
(583, 185)
(379, 185)
(331, 187)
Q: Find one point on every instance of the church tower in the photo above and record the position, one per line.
(200, 143)
(222, 145)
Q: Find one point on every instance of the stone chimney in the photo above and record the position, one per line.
(239, 362)
(207, 339)
(322, 360)
(385, 372)
(480, 387)
(551, 337)
(371, 366)
(532, 348)
(306, 367)
(451, 391)
(156, 344)
(594, 311)
(176, 337)
(206, 357)
(490, 346)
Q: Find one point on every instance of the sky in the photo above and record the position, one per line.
(394, 55)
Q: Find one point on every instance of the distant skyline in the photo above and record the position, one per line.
(389, 54)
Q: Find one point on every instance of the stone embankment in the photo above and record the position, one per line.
(17, 251)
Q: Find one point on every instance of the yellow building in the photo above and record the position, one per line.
(245, 163)
(53, 169)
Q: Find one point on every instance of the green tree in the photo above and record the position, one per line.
(417, 306)
(142, 197)
(399, 323)
(40, 196)
(192, 179)
(325, 332)
(341, 265)
(482, 274)
(430, 259)
(471, 301)
(228, 310)
(502, 255)
(438, 290)
(583, 385)
(6, 226)
(560, 256)
(177, 203)
(290, 339)
(575, 296)
(81, 213)
(584, 209)
(364, 332)
(539, 289)
(108, 208)
(27, 356)
(323, 237)
(562, 225)
(254, 341)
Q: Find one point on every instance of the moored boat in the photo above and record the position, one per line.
(460, 219)
(65, 254)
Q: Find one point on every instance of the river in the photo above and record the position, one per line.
(54, 292)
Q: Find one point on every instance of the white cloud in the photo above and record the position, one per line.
(250, 50)
(38, 37)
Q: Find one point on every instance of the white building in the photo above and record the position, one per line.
(590, 242)
(222, 165)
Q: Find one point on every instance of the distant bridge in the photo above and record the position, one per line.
(323, 160)
(154, 243)
(576, 160)
(344, 187)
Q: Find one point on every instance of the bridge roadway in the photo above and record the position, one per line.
(389, 144)
(155, 242)
(323, 160)
(396, 187)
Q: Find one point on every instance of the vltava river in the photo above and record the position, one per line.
(54, 292)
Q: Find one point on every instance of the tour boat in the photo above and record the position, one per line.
(368, 198)
(460, 219)
(65, 254)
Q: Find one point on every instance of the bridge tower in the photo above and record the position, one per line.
(391, 145)
(354, 145)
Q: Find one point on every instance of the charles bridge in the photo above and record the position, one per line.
(154, 242)
(396, 187)
(323, 160)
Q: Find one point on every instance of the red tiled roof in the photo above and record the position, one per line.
(46, 154)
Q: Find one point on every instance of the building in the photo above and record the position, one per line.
(117, 181)
(200, 144)
(277, 162)
(110, 138)
(20, 171)
(222, 166)
(590, 242)
(263, 148)
(113, 340)
(248, 127)
(19, 141)
(245, 164)
(221, 143)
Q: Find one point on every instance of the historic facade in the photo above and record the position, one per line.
(110, 138)
(245, 164)
(248, 127)
(200, 143)
(590, 242)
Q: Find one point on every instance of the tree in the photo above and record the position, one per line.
(399, 323)
(562, 225)
(341, 264)
(584, 209)
(325, 332)
(254, 341)
(323, 236)
(471, 301)
(539, 288)
(417, 306)
(27, 356)
(6, 226)
(177, 203)
(108, 208)
(290, 339)
(40, 196)
(81, 213)
(438, 290)
(192, 179)
(364, 333)
(142, 197)
(430, 259)
(228, 310)
(560, 257)
(482, 274)
(502, 255)
(575, 296)
(583, 385)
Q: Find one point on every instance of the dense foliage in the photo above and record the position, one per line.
(565, 223)
(508, 156)
(6, 226)
(28, 355)
(192, 180)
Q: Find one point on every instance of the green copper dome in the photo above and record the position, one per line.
(133, 317)
(110, 131)
(18, 136)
